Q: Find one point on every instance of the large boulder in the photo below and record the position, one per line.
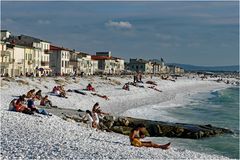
(122, 129)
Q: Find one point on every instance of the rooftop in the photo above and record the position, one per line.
(94, 57)
(58, 48)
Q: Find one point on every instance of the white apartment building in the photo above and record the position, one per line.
(87, 65)
(40, 59)
(83, 64)
(12, 59)
(108, 64)
(41, 56)
(59, 60)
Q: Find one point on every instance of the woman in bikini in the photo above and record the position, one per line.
(137, 133)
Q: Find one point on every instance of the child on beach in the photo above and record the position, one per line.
(137, 133)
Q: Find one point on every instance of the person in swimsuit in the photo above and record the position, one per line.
(137, 133)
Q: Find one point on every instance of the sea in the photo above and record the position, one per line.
(219, 108)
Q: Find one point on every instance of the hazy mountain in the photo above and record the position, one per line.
(206, 68)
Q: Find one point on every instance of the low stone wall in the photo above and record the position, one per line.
(166, 129)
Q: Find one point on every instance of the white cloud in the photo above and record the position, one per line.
(119, 25)
(40, 21)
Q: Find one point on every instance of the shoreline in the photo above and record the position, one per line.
(176, 101)
(72, 142)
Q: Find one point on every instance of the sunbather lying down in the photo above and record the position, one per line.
(137, 133)
(152, 82)
(153, 87)
(102, 96)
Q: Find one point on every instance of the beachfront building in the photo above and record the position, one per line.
(140, 65)
(12, 63)
(156, 66)
(5, 34)
(36, 55)
(12, 56)
(108, 64)
(28, 62)
(5, 59)
(83, 64)
(159, 66)
(60, 60)
(175, 69)
(88, 66)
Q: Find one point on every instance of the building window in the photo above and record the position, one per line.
(132, 67)
(62, 63)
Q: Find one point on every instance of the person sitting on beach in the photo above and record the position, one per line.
(33, 108)
(31, 93)
(12, 104)
(96, 109)
(90, 88)
(20, 107)
(137, 133)
(46, 102)
(55, 90)
(59, 91)
(38, 94)
(126, 86)
(92, 119)
(62, 91)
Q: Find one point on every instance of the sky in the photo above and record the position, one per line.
(199, 33)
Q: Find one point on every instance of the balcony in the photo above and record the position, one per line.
(5, 53)
(44, 63)
(46, 51)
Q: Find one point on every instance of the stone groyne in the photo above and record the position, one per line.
(124, 125)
